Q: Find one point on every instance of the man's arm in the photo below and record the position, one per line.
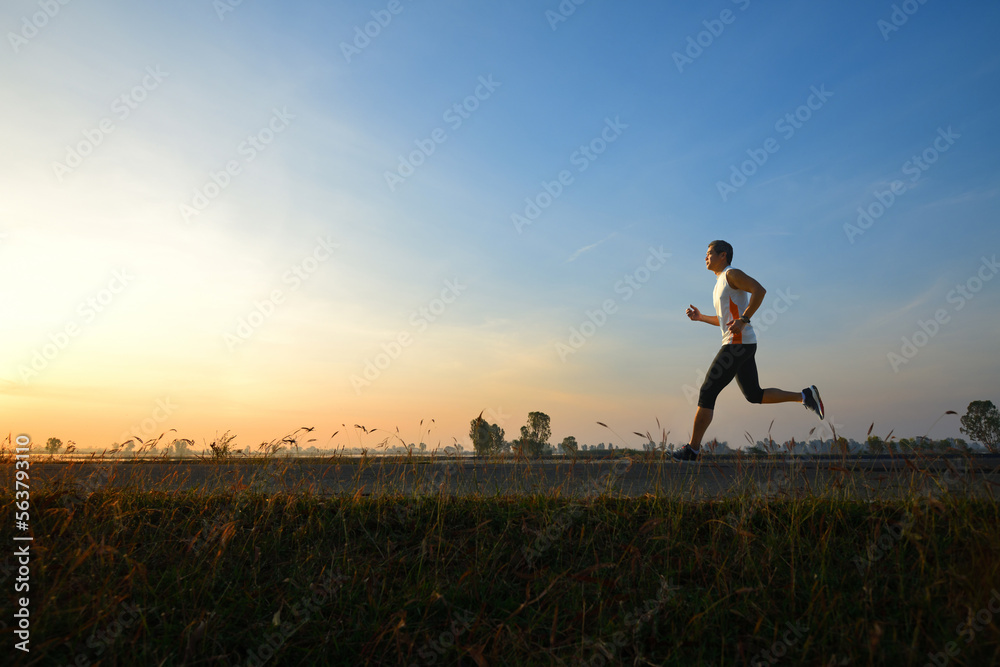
(696, 315)
(741, 281)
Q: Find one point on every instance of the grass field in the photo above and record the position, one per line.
(120, 577)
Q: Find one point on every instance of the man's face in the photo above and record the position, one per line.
(715, 261)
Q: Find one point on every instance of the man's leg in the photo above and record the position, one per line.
(746, 376)
(702, 418)
(720, 374)
(781, 396)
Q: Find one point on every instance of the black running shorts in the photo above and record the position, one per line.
(732, 361)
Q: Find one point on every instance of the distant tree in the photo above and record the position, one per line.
(538, 427)
(53, 445)
(931, 445)
(486, 438)
(127, 447)
(519, 447)
(982, 423)
(497, 442)
(535, 434)
(875, 445)
(479, 433)
(568, 445)
(181, 447)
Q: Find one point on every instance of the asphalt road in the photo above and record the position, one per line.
(703, 480)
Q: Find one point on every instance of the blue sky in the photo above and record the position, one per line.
(338, 265)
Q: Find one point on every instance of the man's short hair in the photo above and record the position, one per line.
(722, 246)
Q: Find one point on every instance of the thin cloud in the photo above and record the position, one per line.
(590, 247)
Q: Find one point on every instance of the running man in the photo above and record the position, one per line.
(737, 297)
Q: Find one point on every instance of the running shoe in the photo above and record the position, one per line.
(812, 401)
(685, 453)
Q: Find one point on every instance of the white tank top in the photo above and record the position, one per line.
(729, 304)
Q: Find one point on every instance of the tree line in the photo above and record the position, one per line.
(489, 438)
(981, 423)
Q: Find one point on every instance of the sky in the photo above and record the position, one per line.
(259, 216)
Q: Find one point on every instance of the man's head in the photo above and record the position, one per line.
(722, 248)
